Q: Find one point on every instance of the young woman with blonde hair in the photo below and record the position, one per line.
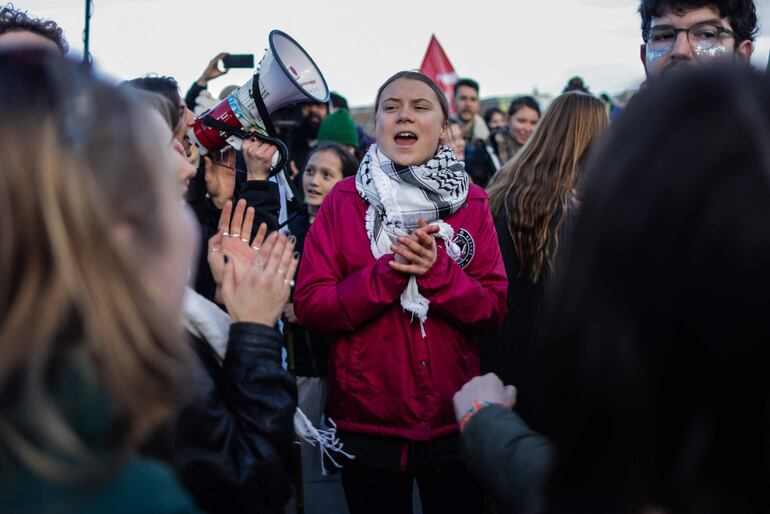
(532, 200)
(95, 255)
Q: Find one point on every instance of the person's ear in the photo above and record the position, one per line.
(445, 133)
(744, 50)
(124, 238)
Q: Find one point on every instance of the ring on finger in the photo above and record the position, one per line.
(226, 233)
(290, 282)
(215, 249)
(256, 247)
(282, 272)
(235, 235)
(244, 240)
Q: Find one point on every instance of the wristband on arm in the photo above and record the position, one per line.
(472, 411)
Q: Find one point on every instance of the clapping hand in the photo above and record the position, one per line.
(416, 253)
(262, 293)
(232, 239)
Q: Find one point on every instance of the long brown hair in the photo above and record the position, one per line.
(540, 178)
(78, 162)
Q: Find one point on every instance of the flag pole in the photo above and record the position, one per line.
(87, 32)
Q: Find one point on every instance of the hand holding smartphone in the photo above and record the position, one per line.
(238, 61)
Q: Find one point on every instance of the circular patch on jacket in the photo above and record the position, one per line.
(467, 246)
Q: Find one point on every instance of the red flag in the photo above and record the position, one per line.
(436, 65)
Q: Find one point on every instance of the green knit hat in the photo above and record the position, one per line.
(338, 127)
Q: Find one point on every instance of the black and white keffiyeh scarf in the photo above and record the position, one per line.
(398, 196)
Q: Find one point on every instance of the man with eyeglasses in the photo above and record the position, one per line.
(680, 33)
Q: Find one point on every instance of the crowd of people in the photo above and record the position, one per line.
(527, 310)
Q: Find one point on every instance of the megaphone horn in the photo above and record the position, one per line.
(286, 75)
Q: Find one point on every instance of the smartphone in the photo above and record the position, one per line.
(238, 61)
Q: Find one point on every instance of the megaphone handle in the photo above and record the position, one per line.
(283, 151)
(261, 107)
(272, 134)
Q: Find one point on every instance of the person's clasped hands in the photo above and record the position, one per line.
(253, 276)
(416, 253)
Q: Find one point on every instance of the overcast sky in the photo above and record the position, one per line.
(509, 46)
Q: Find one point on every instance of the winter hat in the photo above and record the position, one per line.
(338, 127)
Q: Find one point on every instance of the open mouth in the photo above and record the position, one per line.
(187, 145)
(405, 138)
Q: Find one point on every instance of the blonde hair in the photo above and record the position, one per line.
(77, 163)
(540, 178)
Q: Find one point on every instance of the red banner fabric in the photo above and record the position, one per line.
(437, 66)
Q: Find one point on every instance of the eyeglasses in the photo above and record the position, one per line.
(702, 37)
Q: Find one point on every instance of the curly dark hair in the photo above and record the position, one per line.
(742, 14)
(12, 19)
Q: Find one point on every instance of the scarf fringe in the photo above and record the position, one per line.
(326, 439)
(207, 321)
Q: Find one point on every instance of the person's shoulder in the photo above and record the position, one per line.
(341, 198)
(340, 193)
(346, 185)
(156, 483)
(477, 193)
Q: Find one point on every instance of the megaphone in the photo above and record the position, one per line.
(286, 75)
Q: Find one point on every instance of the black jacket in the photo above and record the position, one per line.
(508, 352)
(311, 350)
(192, 95)
(233, 442)
(507, 458)
(480, 163)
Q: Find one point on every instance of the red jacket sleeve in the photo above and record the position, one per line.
(473, 298)
(324, 300)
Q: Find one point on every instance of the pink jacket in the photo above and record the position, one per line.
(384, 377)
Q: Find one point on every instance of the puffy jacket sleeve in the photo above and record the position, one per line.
(234, 445)
(473, 298)
(507, 458)
(327, 301)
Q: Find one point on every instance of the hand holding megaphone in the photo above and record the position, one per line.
(258, 157)
(287, 75)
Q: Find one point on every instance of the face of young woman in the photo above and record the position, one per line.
(183, 169)
(409, 122)
(523, 123)
(323, 170)
(456, 141)
(167, 267)
(497, 121)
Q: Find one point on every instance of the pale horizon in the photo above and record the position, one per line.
(511, 48)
